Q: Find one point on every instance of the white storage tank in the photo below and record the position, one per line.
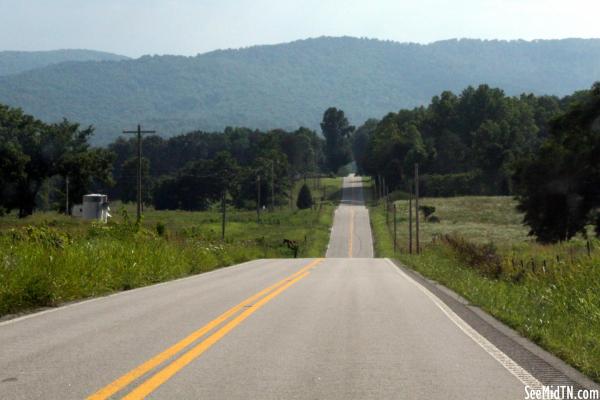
(77, 211)
(95, 206)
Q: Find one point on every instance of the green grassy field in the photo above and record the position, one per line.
(48, 259)
(548, 293)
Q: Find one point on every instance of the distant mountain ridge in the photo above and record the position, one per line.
(291, 84)
(14, 62)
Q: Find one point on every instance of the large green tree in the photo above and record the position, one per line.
(337, 131)
(31, 152)
(394, 147)
(559, 187)
(360, 141)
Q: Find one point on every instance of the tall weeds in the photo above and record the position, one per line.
(46, 265)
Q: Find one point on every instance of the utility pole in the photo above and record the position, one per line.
(395, 228)
(139, 132)
(223, 212)
(258, 199)
(374, 189)
(318, 176)
(418, 247)
(272, 186)
(291, 192)
(315, 185)
(386, 204)
(410, 222)
(67, 196)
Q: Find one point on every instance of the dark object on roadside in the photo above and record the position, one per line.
(557, 188)
(433, 219)
(482, 257)
(292, 245)
(427, 210)
(160, 229)
(304, 198)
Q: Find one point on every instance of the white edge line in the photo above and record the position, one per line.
(370, 233)
(508, 363)
(123, 292)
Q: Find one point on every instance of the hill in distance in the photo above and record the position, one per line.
(14, 62)
(290, 85)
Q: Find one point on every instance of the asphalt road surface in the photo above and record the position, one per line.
(351, 231)
(344, 327)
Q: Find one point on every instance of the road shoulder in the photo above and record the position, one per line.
(542, 365)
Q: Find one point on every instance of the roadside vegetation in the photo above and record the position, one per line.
(48, 258)
(480, 249)
(543, 150)
(531, 260)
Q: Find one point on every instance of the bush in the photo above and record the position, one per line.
(127, 229)
(468, 183)
(482, 257)
(433, 219)
(398, 195)
(427, 211)
(304, 198)
(42, 235)
(160, 229)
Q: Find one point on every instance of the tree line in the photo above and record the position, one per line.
(197, 169)
(36, 158)
(190, 171)
(194, 170)
(544, 150)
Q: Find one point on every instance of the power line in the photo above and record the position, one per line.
(139, 133)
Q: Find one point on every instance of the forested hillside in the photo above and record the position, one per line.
(14, 62)
(289, 85)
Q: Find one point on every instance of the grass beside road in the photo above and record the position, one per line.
(548, 293)
(48, 259)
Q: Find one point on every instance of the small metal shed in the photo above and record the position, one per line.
(94, 207)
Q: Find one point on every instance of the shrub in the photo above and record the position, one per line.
(448, 185)
(160, 229)
(398, 195)
(42, 235)
(125, 230)
(37, 290)
(427, 211)
(304, 198)
(482, 257)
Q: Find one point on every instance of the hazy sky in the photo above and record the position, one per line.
(136, 27)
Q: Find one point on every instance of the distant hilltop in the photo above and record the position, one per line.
(290, 85)
(14, 62)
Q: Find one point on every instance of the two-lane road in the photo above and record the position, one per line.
(351, 231)
(345, 327)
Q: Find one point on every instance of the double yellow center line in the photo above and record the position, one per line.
(351, 233)
(251, 305)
